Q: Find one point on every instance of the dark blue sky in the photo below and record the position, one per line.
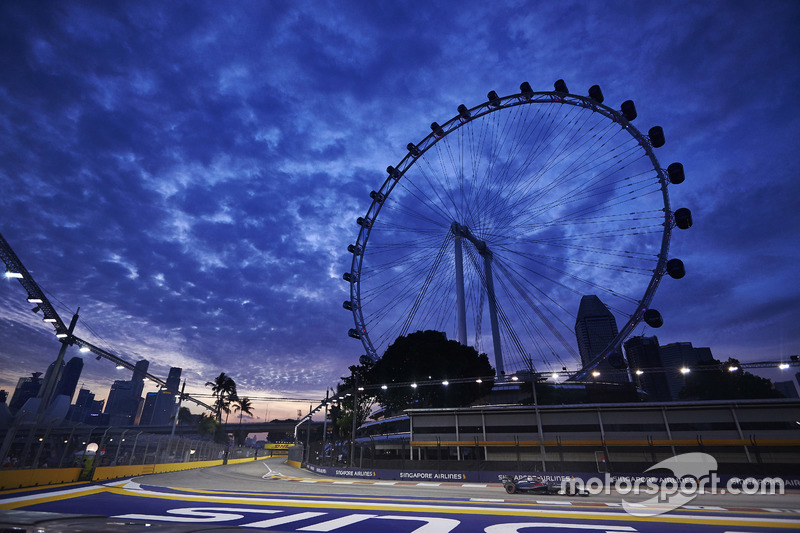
(188, 174)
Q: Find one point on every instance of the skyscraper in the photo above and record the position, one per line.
(125, 396)
(26, 388)
(174, 379)
(678, 355)
(644, 355)
(595, 328)
(69, 378)
(159, 408)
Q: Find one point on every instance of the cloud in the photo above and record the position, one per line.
(190, 175)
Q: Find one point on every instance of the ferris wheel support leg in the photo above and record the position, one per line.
(498, 354)
(460, 305)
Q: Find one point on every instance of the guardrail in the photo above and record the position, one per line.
(45, 455)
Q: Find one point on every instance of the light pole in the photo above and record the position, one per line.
(355, 415)
(46, 394)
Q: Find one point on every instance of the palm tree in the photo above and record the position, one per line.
(243, 405)
(224, 390)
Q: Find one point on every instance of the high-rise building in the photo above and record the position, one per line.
(69, 378)
(80, 409)
(679, 355)
(159, 408)
(174, 379)
(26, 388)
(139, 374)
(595, 328)
(124, 397)
(644, 356)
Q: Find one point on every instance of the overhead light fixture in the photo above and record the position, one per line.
(479, 380)
(61, 335)
(733, 368)
(413, 385)
(15, 275)
(514, 378)
(48, 319)
(445, 382)
(35, 301)
(685, 370)
(595, 373)
(85, 349)
(783, 366)
(639, 372)
(384, 387)
(120, 366)
(554, 375)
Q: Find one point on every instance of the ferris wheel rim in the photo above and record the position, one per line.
(458, 121)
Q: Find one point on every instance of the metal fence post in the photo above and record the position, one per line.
(133, 451)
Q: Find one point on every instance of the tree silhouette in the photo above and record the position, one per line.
(224, 390)
(714, 381)
(207, 425)
(429, 356)
(242, 405)
(342, 410)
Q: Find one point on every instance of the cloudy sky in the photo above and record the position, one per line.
(189, 174)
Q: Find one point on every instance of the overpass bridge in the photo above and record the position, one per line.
(249, 427)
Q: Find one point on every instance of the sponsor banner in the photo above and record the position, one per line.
(433, 476)
(277, 446)
(456, 476)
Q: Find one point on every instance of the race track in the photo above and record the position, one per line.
(270, 495)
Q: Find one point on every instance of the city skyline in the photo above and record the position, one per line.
(189, 175)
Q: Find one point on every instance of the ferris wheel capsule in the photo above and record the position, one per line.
(676, 269)
(656, 135)
(596, 94)
(683, 218)
(676, 173)
(653, 318)
(628, 110)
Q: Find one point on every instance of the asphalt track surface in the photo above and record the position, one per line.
(269, 495)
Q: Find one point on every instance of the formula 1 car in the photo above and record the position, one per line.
(538, 485)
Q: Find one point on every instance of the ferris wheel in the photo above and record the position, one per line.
(495, 225)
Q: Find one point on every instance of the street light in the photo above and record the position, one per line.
(685, 370)
(639, 372)
(783, 366)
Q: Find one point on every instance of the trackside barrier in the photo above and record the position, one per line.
(15, 479)
(23, 478)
